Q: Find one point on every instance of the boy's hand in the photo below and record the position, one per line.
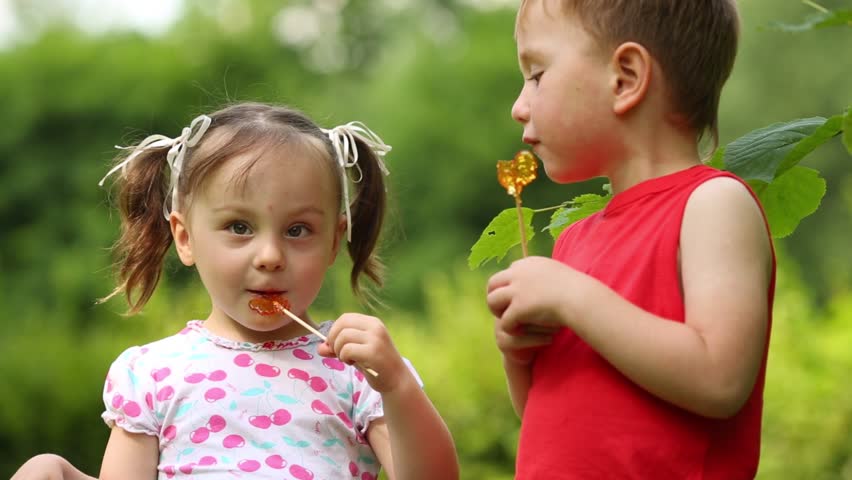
(528, 302)
(533, 295)
(364, 341)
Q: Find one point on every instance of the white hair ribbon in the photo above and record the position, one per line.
(342, 139)
(189, 137)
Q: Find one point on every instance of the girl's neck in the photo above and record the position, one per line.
(233, 330)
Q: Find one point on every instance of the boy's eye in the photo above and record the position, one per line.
(239, 228)
(535, 77)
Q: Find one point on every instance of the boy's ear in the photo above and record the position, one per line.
(632, 65)
(180, 234)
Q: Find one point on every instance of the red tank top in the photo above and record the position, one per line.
(583, 419)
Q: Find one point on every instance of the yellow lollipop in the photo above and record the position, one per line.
(514, 175)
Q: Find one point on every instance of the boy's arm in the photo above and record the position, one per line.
(411, 441)
(708, 364)
(519, 379)
(49, 466)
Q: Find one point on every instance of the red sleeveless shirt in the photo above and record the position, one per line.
(585, 420)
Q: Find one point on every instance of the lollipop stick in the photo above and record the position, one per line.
(283, 309)
(521, 225)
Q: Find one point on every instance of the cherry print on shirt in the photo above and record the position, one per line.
(265, 370)
(302, 354)
(233, 441)
(248, 465)
(334, 364)
(301, 473)
(170, 432)
(216, 423)
(131, 409)
(158, 374)
(198, 377)
(165, 393)
(243, 360)
(214, 394)
(276, 462)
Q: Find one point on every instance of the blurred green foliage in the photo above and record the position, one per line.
(436, 79)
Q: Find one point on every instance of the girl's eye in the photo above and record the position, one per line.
(297, 231)
(239, 228)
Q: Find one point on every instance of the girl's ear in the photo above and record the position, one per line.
(632, 66)
(339, 237)
(180, 234)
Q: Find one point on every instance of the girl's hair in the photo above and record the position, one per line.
(143, 190)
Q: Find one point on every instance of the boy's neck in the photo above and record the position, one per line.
(652, 150)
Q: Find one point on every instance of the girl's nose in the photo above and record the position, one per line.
(270, 255)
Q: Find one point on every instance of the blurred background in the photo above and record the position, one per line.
(436, 79)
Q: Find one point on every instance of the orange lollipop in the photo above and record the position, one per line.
(514, 175)
(269, 304)
(517, 173)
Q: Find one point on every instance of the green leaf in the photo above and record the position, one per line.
(815, 21)
(790, 198)
(718, 159)
(758, 154)
(499, 236)
(824, 133)
(847, 130)
(580, 208)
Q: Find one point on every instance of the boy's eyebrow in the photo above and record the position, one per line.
(527, 56)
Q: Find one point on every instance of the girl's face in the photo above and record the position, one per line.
(277, 233)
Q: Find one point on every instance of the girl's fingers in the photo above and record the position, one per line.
(352, 353)
(349, 336)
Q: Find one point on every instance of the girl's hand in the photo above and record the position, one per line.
(363, 341)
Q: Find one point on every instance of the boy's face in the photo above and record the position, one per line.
(565, 104)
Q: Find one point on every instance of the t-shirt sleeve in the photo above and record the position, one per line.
(127, 394)
(368, 402)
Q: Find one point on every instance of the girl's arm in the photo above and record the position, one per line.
(411, 441)
(709, 363)
(130, 456)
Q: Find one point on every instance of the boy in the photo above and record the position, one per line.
(639, 350)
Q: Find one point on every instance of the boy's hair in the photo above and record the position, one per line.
(694, 41)
(238, 129)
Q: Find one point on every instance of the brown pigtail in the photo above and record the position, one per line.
(368, 212)
(145, 235)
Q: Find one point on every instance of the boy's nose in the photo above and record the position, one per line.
(270, 256)
(521, 109)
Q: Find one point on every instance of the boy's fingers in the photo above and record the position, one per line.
(539, 329)
(517, 342)
(497, 280)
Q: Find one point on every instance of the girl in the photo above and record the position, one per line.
(256, 197)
